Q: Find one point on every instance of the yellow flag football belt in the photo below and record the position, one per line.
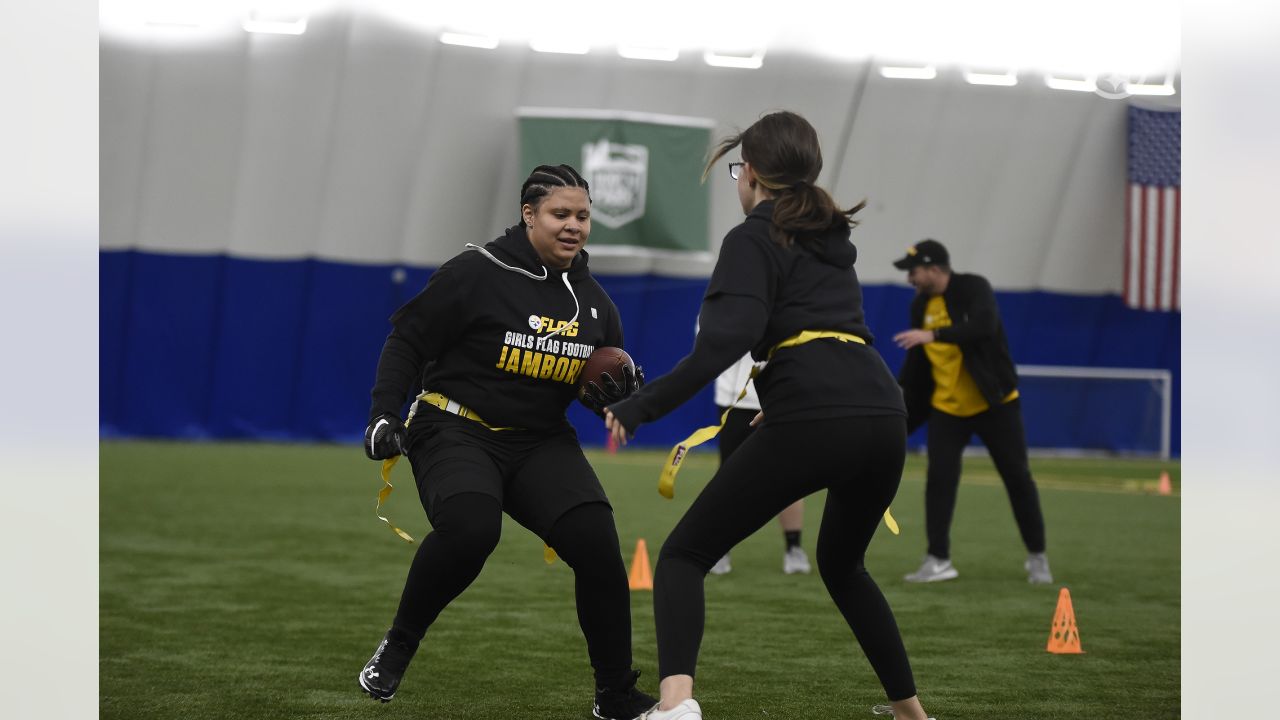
(667, 479)
(439, 401)
(447, 405)
(435, 400)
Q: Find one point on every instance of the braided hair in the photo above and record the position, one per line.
(784, 153)
(546, 178)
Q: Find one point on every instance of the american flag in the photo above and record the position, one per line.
(1153, 233)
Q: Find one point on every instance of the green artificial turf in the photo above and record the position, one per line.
(254, 580)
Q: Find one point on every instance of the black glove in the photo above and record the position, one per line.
(384, 438)
(597, 398)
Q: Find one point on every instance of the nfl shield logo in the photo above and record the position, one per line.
(618, 175)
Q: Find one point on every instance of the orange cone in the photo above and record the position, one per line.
(1064, 638)
(1166, 487)
(641, 578)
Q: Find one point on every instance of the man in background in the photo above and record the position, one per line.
(959, 376)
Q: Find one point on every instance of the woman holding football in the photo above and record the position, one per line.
(495, 343)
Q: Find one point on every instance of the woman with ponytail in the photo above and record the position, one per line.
(832, 416)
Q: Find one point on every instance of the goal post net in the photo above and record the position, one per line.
(1097, 410)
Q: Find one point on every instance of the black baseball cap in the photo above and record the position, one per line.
(925, 252)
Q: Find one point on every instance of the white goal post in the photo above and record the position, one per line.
(1162, 379)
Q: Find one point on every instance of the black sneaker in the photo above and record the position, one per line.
(623, 701)
(381, 675)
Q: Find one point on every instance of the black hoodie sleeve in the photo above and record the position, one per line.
(916, 375)
(733, 318)
(399, 367)
(745, 267)
(421, 330)
(976, 316)
(916, 380)
(730, 325)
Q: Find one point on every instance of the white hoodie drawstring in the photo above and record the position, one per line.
(545, 274)
(576, 308)
(512, 268)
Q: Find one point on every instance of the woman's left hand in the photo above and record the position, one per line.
(614, 426)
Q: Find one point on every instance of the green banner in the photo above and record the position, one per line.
(644, 172)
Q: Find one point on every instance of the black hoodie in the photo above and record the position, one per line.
(499, 333)
(760, 294)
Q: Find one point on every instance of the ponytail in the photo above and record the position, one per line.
(782, 149)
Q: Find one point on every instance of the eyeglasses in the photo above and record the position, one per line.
(735, 170)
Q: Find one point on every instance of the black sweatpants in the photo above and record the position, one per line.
(1001, 430)
(468, 476)
(859, 461)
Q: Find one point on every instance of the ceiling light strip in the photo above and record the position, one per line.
(484, 42)
(927, 72)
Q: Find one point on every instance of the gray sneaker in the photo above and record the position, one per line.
(1037, 566)
(722, 566)
(933, 569)
(796, 562)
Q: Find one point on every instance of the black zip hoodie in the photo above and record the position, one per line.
(976, 327)
(499, 333)
(760, 294)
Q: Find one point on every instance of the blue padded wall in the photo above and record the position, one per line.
(204, 347)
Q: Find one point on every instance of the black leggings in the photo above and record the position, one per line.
(1000, 429)
(859, 461)
(737, 428)
(466, 530)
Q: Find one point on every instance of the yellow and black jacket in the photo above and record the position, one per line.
(977, 329)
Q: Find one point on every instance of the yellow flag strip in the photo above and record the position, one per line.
(667, 478)
(385, 492)
(440, 401)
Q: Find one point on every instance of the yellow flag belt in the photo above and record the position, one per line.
(435, 400)
(439, 401)
(667, 479)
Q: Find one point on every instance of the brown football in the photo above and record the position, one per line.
(604, 360)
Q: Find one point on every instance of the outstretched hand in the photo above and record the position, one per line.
(615, 428)
(908, 339)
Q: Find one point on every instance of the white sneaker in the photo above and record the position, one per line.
(1037, 566)
(687, 710)
(934, 569)
(795, 561)
(884, 710)
(722, 566)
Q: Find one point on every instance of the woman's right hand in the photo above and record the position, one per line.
(384, 438)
